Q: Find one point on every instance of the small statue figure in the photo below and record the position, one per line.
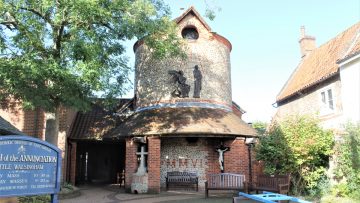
(221, 150)
(197, 82)
(182, 89)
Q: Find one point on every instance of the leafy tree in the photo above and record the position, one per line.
(210, 9)
(260, 127)
(58, 53)
(300, 147)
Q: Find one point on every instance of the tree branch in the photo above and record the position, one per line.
(58, 39)
(9, 24)
(108, 26)
(45, 18)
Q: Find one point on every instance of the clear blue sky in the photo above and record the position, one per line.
(264, 36)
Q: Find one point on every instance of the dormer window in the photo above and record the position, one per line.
(190, 33)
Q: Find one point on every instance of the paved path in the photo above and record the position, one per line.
(112, 194)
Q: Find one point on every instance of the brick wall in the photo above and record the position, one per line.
(72, 175)
(154, 147)
(33, 123)
(237, 159)
(131, 162)
(213, 157)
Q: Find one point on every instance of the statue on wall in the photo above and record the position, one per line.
(221, 150)
(197, 81)
(182, 89)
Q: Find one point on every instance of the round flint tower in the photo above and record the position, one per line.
(201, 80)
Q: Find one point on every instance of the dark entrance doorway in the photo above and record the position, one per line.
(99, 162)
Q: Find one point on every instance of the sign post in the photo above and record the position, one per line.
(29, 166)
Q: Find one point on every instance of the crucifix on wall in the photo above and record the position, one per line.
(221, 150)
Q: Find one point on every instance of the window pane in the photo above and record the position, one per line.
(330, 95)
(331, 105)
(330, 99)
(323, 97)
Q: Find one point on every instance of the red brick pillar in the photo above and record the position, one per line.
(73, 163)
(154, 148)
(130, 162)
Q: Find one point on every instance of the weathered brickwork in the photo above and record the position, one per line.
(131, 162)
(154, 144)
(72, 163)
(33, 123)
(311, 104)
(236, 160)
(153, 82)
(30, 122)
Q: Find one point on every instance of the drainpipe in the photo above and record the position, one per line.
(250, 142)
(250, 163)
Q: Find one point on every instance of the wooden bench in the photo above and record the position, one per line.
(271, 183)
(224, 181)
(184, 179)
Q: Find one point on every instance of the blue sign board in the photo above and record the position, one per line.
(29, 166)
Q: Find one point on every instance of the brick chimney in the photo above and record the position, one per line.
(307, 43)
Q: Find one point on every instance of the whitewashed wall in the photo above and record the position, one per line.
(350, 89)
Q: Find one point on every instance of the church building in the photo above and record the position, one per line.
(182, 118)
(183, 115)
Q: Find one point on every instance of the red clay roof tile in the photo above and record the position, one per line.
(321, 63)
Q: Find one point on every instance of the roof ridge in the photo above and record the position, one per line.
(352, 44)
(192, 8)
(338, 35)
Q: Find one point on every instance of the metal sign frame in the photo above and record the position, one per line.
(14, 140)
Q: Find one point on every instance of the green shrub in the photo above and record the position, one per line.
(340, 190)
(35, 199)
(260, 127)
(348, 163)
(300, 147)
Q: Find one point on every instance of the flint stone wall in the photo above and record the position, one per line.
(153, 82)
(177, 154)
